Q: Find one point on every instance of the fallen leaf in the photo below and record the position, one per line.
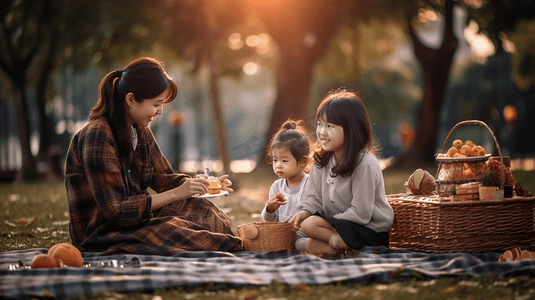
(10, 224)
(24, 222)
(59, 223)
(14, 197)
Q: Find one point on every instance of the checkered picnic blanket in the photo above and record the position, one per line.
(128, 273)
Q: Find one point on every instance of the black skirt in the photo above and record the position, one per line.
(357, 236)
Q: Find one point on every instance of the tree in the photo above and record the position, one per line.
(436, 64)
(303, 31)
(20, 39)
(119, 32)
(39, 38)
(207, 23)
(64, 32)
(493, 18)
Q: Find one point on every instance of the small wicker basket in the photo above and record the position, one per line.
(451, 170)
(267, 236)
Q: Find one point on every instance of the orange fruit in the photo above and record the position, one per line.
(42, 261)
(67, 254)
(468, 173)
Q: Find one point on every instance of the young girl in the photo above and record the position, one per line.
(346, 207)
(114, 159)
(289, 152)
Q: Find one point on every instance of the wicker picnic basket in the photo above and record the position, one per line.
(267, 236)
(435, 223)
(451, 169)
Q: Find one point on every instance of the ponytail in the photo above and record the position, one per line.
(144, 77)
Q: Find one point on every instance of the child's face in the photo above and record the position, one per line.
(143, 113)
(331, 137)
(284, 163)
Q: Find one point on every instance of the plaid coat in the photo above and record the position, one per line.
(110, 209)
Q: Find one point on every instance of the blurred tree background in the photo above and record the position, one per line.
(245, 66)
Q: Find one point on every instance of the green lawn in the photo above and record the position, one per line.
(35, 215)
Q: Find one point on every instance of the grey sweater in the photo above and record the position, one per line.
(359, 198)
(293, 197)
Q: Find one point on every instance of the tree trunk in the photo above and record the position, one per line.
(293, 89)
(304, 31)
(220, 128)
(48, 147)
(28, 170)
(436, 64)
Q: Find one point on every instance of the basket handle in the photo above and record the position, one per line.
(481, 123)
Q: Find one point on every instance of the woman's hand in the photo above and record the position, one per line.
(192, 187)
(298, 218)
(225, 183)
(274, 204)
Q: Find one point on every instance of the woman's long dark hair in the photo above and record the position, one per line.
(345, 108)
(144, 77)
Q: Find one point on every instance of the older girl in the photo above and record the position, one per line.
(346, 207)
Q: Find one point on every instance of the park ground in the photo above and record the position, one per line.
(35, 215)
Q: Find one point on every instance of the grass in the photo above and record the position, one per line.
(36, 216)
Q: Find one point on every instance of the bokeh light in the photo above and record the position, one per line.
(474, 3)
(242, 166)
(480, 44)
(175, 118)
(264, 44)
(61, 126)
(427, 15)
(235, 41)
(252, 41)
(510, 113)
(507, 44)
(250, 68)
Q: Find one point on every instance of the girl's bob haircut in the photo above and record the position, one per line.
(345, 108)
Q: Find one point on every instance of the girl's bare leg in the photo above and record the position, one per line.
(319, 232)
(337, 242)
(313, 245)
(318, 228)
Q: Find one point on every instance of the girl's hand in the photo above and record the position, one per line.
(274, 204)
(298, 218)
(192, 187)
(225, 183)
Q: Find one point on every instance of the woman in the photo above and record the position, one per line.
(115, 158)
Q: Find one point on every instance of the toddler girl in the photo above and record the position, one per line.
(346, 206)
(289, 153)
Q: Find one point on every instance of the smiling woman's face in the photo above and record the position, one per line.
(143, 113)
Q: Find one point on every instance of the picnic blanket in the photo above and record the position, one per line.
(128, 273)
